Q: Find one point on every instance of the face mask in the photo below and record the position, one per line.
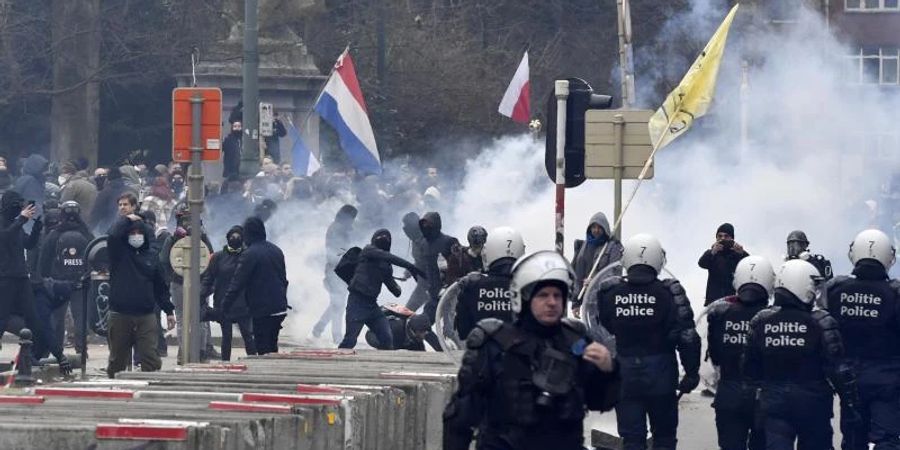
(136, 240)
(100, 181)
(236, 244)
(795, 249)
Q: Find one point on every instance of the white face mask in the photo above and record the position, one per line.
(62, 179)
(136, 240)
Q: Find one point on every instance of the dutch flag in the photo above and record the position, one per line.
(341, 104)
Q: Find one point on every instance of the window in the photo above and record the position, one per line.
(874, 65)
(871, 5)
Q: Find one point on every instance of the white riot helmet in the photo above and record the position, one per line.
(872, 244)
(643, 249)
(799, 278)
(502, 242)
(754, 270)
(528, 271)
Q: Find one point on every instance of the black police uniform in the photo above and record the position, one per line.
(650, 320)
(821, 263)
(793, 353)
(484, 296)
(498, 388)
(735, 402)
(866, 308)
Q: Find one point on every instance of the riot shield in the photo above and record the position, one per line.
(590, 313)
(445, 320)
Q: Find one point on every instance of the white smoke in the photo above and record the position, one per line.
(805, 168)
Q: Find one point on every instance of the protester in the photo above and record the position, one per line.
(720, 261)
(261, 276)
(77, 188)
(215, 281)
(136, 285)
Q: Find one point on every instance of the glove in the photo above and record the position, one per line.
(688, 383)
(65, 367)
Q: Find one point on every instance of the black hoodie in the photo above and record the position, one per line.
(428, 242)
(217, 278)
(260, 274)
(135, 276)
(13, 240)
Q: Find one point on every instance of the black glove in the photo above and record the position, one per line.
(65, 367)
(688, 383)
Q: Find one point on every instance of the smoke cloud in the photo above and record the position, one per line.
(805, 167)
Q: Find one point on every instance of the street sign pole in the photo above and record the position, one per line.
(250, 143)
(619, 130)
(190, 350)
(562, 94)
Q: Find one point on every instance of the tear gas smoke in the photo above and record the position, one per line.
(805, 167)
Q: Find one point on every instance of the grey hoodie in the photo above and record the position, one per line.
(584, 258)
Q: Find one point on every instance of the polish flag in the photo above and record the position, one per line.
(515, 103)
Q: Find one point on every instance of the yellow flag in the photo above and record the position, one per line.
(693, 95)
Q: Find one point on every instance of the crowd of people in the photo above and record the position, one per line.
(783, 342)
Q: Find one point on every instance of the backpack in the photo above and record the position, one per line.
(346, 267)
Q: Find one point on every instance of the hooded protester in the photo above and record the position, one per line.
(231, 152)
(18, 298)
(63, 259)
(430, 246)
(105, 209)
(372, 271)
(410, 332)
(136, 286)
(31, 184)
(77, 188)
(261, 277)
(597, 235)
(337, 241)
(215, 281)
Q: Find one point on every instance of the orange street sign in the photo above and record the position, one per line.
(210, 123)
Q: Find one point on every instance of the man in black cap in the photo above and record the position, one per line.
(720, 261)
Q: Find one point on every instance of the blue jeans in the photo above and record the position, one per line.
(365, 311)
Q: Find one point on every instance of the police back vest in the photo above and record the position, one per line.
(867, 313)
(729, 326)
(487, 297)
(640, 316)
(790, 343)
(69, 263)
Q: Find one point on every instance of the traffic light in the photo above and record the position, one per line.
(581, 98)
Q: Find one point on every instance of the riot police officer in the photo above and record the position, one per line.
(482, 296)
(525, 385)
(651, 319)
(794, 352)
(865, 306)
(798, 248)
(729, 321)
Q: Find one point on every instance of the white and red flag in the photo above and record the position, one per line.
(516, 104)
